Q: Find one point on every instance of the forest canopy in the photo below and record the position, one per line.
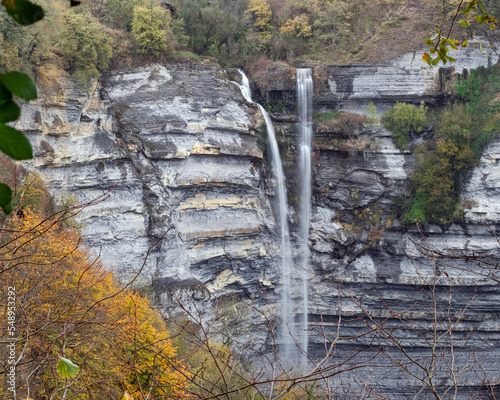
(100, 34)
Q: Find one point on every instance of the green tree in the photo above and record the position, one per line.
(212, 26)
(404, 119)
(85, 45)
(150, 29)
(442, 167)
(118, 14)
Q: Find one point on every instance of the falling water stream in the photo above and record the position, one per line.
(304, 97)
(288, 351)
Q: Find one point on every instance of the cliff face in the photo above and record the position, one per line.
(358, 251)
(178, 145)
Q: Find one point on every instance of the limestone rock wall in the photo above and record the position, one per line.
(175, 150)
(178, 147)
(358, 250)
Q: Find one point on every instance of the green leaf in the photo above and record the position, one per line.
(5, 93)
(464, 24)
(14, 143)
(7, 208)
(9, 111)
(20, 84)
(465, 43)
(5, 198)
(66, 368)
(24, 12)
(481, 18)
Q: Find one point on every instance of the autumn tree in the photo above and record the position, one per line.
(69, 308)
(262, 15)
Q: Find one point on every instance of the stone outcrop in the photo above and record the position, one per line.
(355, 240)
(178, 147)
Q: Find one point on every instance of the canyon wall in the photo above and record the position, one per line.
(178, 147)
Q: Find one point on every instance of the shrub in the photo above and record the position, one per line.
(404, 119)
(85, 46)
(150, 30)
(329, 115)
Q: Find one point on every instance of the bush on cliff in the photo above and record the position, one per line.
(151, 30)
(461, 133)
(85, 46)
(404, 120)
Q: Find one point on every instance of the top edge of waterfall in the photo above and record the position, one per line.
(304, 73)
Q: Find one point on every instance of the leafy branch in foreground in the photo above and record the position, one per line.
(441, 42)
(14, 83)
(13, 142)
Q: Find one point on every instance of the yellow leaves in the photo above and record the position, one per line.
(298, 26)
(262, 14)
(145, 348)
(121, 339)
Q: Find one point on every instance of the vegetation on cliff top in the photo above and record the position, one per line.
(114, 33)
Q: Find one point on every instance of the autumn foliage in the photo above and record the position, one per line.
(68, 306)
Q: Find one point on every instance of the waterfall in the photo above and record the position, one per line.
(245, 87)
(304, 130)
(287, 349)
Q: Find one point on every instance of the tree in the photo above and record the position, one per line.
(70, 308)
(85, 46)
(262, 15)
(150, 29)
(211, 26)
(403, 120)
(298, 27)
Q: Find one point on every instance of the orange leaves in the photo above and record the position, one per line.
(143, 350)
(119, 344)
